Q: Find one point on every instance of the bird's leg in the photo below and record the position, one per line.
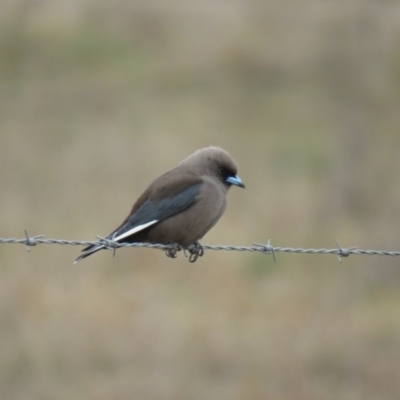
(196, 250)
(173, 250)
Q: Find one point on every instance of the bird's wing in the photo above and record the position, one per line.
(155, 210)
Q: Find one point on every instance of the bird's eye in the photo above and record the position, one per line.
(222, 170)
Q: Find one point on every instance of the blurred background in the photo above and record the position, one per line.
(97, 98)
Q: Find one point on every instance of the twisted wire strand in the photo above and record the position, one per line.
(30, 241)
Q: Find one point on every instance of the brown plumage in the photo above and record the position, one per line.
(182, 205)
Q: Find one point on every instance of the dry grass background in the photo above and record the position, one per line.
(97, 98)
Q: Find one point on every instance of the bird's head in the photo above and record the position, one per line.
(216, 163)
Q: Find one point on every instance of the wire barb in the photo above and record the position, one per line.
(344, 252)
(267, 249)
(110, 244)
(31, 241)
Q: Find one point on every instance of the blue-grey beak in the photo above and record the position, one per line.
(235, 180)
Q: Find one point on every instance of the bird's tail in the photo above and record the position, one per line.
(87, 251)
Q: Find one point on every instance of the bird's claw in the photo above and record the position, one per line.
(196, 250)
(173, 250)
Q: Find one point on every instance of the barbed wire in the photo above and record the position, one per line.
(267, 248)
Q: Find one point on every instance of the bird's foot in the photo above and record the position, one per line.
(172, 251)
(196, 250)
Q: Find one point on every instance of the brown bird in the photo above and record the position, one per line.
(180, 206)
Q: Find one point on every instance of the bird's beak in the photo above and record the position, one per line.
(235, 180)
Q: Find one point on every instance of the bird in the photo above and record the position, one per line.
(179, 207)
